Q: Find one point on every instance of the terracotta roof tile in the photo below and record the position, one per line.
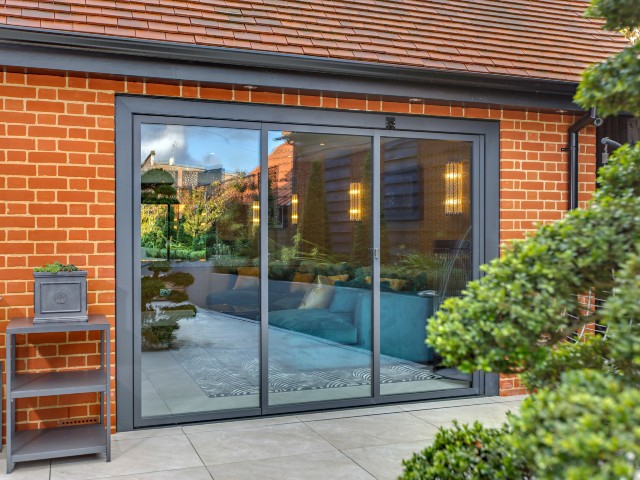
(530, 38)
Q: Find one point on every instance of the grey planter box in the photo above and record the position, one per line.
(60, 297)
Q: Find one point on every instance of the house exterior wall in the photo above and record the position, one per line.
(57, 195)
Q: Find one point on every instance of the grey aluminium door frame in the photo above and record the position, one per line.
(130, 110)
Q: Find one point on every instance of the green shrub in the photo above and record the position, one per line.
(57, 267)
(587, 428)
(583, 421)
(467, 452)
(512, 319)
(176, 253)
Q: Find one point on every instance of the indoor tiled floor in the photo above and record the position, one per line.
(365, 443)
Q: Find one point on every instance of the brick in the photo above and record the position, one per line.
(76, 121)
(19, 92)
(266, 97)
(215, 93)
(51, 132)
(105, 84)
(74, 95)
(163, 89)
(22, 144)
(101, 110)
(45, 106)
(77, 146)
(352, 103)
(18, 117)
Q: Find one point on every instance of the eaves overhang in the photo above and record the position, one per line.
(100, 54)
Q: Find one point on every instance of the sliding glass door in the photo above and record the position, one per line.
(290, 267)
(425, 239)
(320, 239)
(199, 263)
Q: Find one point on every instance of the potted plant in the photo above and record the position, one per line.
(60, 293)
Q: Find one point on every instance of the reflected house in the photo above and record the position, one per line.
(281, 185)
(407, 187)
(185, 176)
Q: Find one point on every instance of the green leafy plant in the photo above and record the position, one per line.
(57, 267)
(586, 428)
(582, 419)
(614, 85)
(467, 451)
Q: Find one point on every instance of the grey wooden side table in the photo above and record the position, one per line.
(27, 445)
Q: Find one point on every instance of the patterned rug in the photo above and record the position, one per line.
(220, 353)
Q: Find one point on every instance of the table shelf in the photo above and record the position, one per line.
(57, 383)
(58, 442)
(27, 445)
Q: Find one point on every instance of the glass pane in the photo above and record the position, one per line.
(319, 267)
(425, 230)
(199, 272)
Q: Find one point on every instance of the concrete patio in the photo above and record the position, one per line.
(364, 443)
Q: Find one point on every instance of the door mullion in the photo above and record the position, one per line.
(264, 269)
(375, 259)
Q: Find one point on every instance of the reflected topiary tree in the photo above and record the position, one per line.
(314, 226)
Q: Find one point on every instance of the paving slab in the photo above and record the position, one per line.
(385, 461)
(491, 415)
(128, 457)
(352, 412)
(197, 473)
(436, 404)
(315, 466)
(40, 470)
(249, 422)
(257, 443)
(357, 432)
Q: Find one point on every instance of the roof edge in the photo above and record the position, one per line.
(112, 45)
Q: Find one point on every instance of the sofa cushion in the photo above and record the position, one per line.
(320, 296)
(319, 322)
(344, 300)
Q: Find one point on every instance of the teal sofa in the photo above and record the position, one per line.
(348, 320)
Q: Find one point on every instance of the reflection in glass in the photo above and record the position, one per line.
(425, 230)
(319, 260)
(199, 272)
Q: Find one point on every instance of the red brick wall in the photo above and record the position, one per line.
(57, 194)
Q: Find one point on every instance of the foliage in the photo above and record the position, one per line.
(589, 427)
(176, 253)
(614, 85)
(57, 267)
(157, 189)
(509, 320)
(618, 14)
(314, 227)
(622, 315)
(161, 320)
(467, 452)
(210, 220)
(582, 422)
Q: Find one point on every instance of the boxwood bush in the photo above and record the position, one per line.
(583, 419)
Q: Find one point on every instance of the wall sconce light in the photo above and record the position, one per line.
(255, 210)
(355, 201)
(294, 209)
(453, 188)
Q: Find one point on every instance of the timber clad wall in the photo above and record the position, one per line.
(57, 195)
